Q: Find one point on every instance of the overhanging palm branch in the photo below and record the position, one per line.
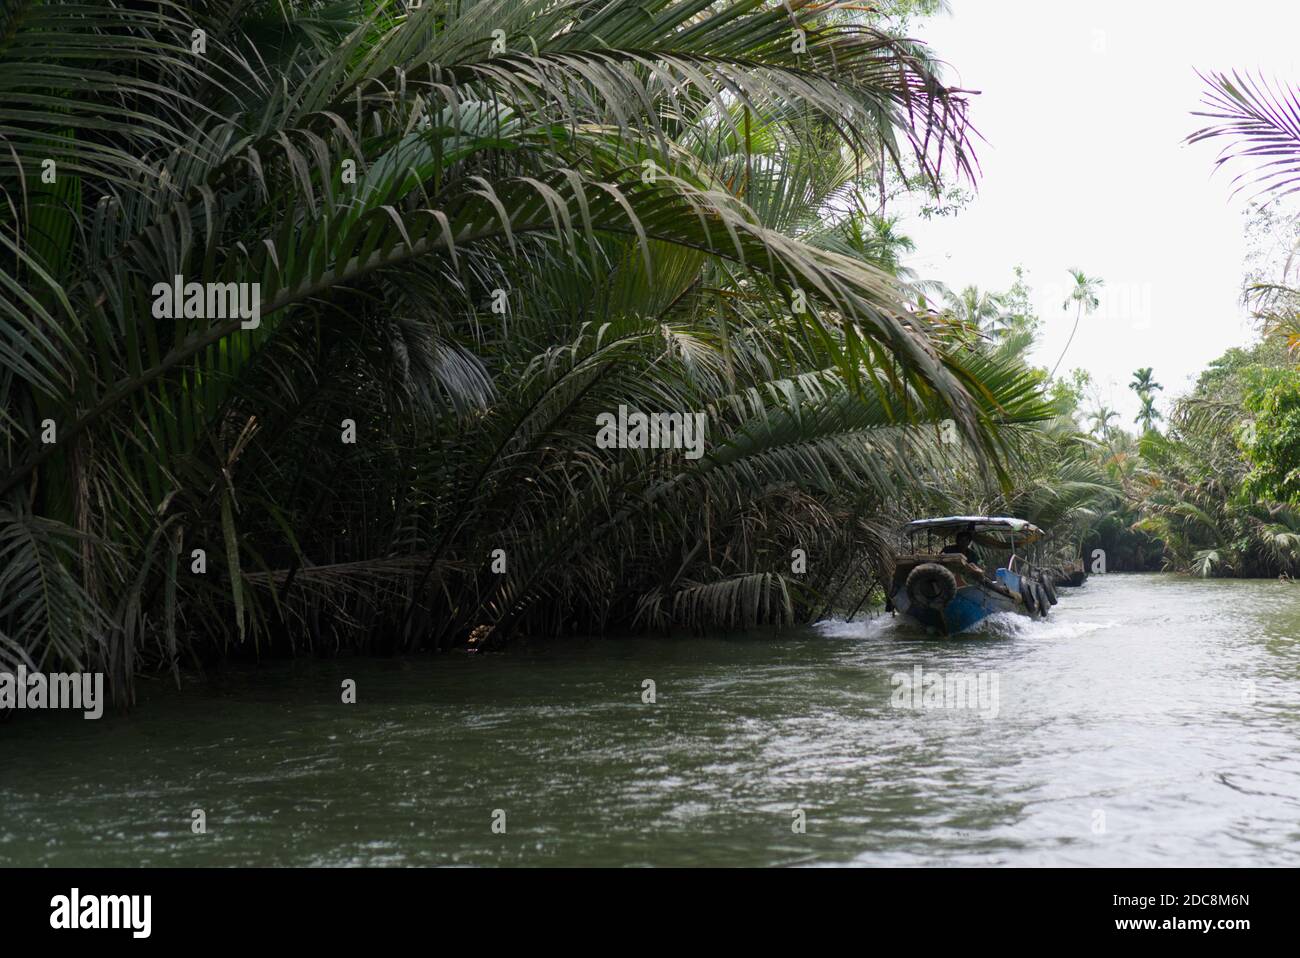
(1262, 124)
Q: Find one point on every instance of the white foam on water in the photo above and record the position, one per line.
(1067, 628)
(856, 629)
(1002, 625)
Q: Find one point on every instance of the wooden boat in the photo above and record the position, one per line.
(950, 593)
(1075, 575)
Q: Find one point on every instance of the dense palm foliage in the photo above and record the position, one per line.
(1197, 496)
(476, 228)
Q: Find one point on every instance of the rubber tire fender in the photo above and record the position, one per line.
(931, 585)
(1049, 589)
(1030, 595)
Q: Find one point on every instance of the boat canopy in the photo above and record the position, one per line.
(1018, 529)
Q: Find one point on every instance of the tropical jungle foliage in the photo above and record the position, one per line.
(1218, 491)
(475, 227)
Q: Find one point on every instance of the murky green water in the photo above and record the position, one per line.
(1152, 721)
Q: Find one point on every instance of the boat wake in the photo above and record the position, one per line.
(1000, 625)
(857, 628)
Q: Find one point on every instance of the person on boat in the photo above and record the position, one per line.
(963, 546)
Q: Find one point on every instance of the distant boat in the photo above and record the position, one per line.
(1073, 575)
(949, 592)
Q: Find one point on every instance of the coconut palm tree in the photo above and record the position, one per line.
(1084, 298)
(977, 308)
(881, 242)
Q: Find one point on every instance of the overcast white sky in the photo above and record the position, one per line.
(1084, 106)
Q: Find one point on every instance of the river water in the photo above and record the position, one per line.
(1153, 720)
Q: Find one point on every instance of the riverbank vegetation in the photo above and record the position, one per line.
(1207, 495)
(475, 229)
(1217, 491)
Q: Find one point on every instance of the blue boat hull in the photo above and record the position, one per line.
(972, 603)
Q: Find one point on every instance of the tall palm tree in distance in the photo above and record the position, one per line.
(1148, 413)
(1084, 298)
(977, 307)
(1101, 418)
(1143, 383)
